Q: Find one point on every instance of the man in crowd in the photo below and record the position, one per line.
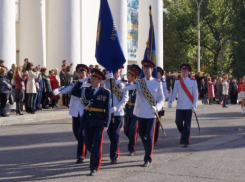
(3, 66)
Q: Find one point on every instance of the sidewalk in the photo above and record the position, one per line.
(44, 115)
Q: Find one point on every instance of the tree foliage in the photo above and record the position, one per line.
(222, 25)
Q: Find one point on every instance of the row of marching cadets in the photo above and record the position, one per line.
(94, 109)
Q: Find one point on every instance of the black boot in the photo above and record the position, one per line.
(18, 110)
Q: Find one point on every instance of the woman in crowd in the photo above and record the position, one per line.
(38, 86)
(19, 78)
(203, 92)
(54, 85)
(5, 88)
(211, 90)
(233, 91)
(219, 90)
(31, 87)
(46, 89)
(225, 91)
(242, 94)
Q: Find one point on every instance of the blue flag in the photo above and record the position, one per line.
(150, 51)
(109, 52)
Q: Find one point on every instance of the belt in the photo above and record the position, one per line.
(131, 104)
(94, 109)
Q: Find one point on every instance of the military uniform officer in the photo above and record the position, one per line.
(130, 120)
(186, 88)
(76, 109)
(149, 100)
(96, 116)
(120, 98)
(160, 74)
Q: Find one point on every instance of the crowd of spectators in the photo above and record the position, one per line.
(30, 86)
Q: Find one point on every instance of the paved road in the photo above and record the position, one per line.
(45, 151)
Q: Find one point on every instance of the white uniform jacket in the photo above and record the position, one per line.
(116, 103)
(142, 108)
(76, 106)
(165, 90)
(183, 102)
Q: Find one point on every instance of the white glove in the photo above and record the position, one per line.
(154, 109)
(113, 109)
(194, 109)
(110, 76)
(121, 86)
(56, 91)
(122, 76)
(169, 105)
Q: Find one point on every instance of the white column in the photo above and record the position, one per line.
(119, 12)
(89, 22)
(33, 31)
(63, 32)
(144, 25)
(7, 32)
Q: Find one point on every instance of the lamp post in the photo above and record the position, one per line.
(222, 55)
(198, 35)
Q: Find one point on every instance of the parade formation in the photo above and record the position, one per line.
(102, 102)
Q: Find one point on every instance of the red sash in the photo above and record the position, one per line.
(186, 90)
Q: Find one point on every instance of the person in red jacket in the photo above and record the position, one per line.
(19, 79)
(54, 85)
(242, 94)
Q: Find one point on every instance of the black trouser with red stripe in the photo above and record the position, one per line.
(157, 127)
(147, 132)
(131, 131)
(93, 136)
(114, 135)
(183, 122)
(78, 128)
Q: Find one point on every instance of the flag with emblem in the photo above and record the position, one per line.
(109, 52)
(150, 51)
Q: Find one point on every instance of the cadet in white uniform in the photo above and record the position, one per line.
(76, 109)
(120, 98)
(145, 110)
(185, 104)
(160, 74)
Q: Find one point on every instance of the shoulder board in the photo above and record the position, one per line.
(176, 79)
(104, 89)
(193, 79)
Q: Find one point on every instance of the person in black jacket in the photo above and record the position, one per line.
(5, 88)
(96, 116)
(233, 91)
(46, 89)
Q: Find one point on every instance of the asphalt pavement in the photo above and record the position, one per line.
(45, 150)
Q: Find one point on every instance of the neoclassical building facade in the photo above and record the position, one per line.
(49, 31)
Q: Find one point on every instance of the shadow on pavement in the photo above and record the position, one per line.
(30, 161)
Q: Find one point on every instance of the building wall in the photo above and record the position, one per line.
(88, 23)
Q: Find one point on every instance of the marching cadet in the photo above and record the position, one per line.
(160, 74)
(130, 120)
(76, 109)
(120, 98)
(149, 100)
(96, 116)
(186, 88)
